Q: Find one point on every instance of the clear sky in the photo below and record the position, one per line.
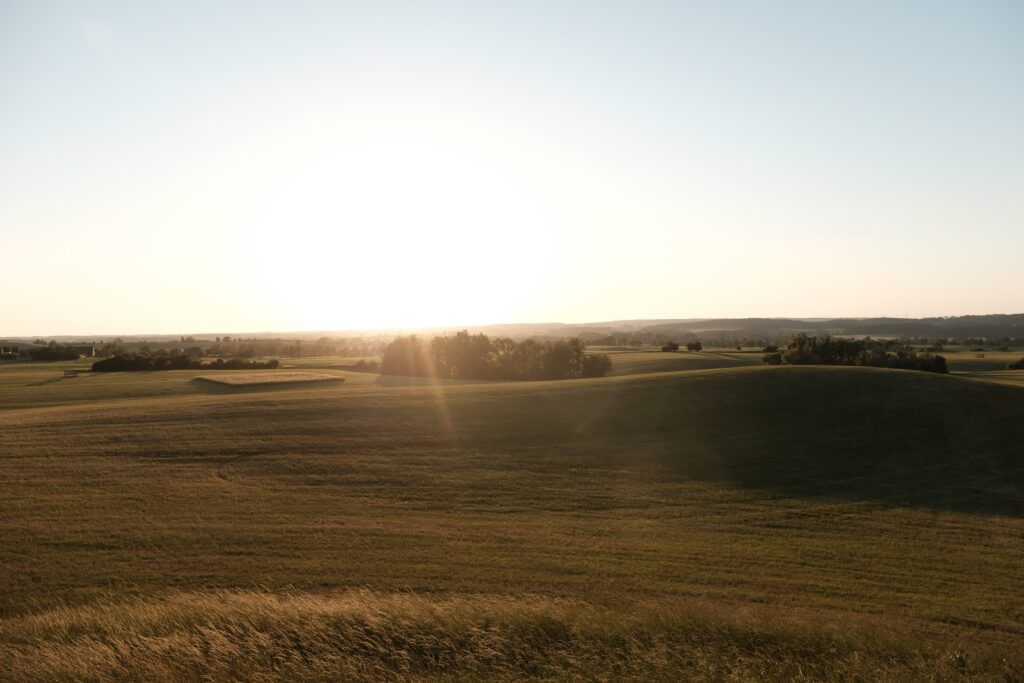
(248, 166)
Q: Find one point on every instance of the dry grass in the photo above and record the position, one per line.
(786, 523)
(362, 635)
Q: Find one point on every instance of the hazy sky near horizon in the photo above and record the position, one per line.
(247, 166)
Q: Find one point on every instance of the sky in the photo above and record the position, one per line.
(256, 166)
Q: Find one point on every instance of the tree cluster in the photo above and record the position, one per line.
(177, 362)
(1019, 365)
(476, 356)
(53, 351)
(804, 350)
(690, 346)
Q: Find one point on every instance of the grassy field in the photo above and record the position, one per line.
(977, 361)
(730, 523)
(640, 362)
(263, 378)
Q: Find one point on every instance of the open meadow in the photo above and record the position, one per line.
(788, 523)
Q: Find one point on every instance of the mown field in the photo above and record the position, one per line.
(722, 523)
(640, 362)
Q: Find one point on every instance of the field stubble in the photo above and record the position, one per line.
(787, 523)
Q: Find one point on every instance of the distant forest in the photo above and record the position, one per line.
(178, 362)
(804, 350)
(987, 332)
(51, 351)
(970, 330)
(477, 356)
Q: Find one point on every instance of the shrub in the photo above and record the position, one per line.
(772, 358)
(1019, 365)
(694, 346)
(670, 346)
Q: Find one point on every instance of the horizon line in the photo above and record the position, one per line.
(396, 329)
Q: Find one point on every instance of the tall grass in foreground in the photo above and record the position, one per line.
(363, 635)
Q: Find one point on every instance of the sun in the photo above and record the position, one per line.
(392, 230)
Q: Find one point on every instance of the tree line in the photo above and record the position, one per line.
(134, 363)
(804, 350)
(673, 346)
(477, 356)
(237, 347)
(51, 351)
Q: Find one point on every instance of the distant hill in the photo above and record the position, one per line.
(986, 326)
(993, 327)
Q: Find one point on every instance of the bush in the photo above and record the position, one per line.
(694, 346)
(772, 359)
(670, 346)
(770, 348)
(1019, 365)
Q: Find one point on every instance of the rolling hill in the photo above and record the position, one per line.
(738, 522)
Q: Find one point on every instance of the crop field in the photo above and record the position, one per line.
(690, 522)
(639, 362)
(977, 361)
(264, 378)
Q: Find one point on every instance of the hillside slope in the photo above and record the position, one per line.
(735, 516)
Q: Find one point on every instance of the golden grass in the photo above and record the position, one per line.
(734, 524)
(223, 636)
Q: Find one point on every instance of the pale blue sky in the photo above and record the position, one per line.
(239, 166)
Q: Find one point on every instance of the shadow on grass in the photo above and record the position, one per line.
(43, 383)
(896, 438)
(213, 386)
(900, 438)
